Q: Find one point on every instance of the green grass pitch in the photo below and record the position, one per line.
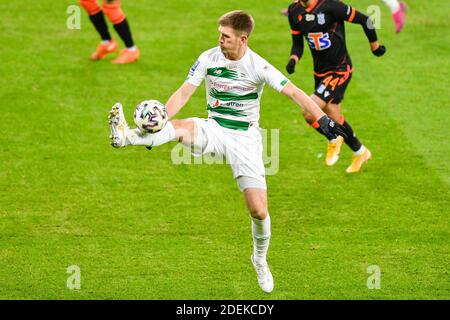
(140, 227)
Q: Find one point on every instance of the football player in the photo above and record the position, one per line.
(111, 9)
(321, 24)
(234, 76)
(397, 8)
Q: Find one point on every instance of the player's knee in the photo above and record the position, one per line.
(184, 130)
(259, 213)
(113, 11)
(91, 6)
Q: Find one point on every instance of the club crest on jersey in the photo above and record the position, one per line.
(193, 68)
(321, 18)
(309, 17)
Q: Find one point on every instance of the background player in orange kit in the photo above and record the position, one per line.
(321, 23)
(112, 10)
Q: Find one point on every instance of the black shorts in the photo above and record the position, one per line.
(330, 86)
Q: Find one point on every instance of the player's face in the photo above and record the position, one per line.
(229, 41)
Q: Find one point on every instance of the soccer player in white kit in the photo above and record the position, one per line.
(235, 77)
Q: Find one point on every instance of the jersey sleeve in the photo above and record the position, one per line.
(198, 71)
(342, 11)
(345, 12)
(294, 28)
(272, 76)
(297, 38)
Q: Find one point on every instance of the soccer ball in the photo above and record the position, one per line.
(150, 116)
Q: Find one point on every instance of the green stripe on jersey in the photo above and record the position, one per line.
(222, 73)
(232, 124)
(225, 110)
(283, 83)
(228, 96)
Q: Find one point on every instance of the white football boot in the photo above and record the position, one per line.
(118, 126)
(265, 279)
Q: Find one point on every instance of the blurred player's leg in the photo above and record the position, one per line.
(256, 200)
(334, 112)
(360, 153)
(121, 135)
(115, 14)
(358, 159)
(398, 10)
(334, 144)
(107, 45)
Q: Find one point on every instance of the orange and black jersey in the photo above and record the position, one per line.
(322, 26)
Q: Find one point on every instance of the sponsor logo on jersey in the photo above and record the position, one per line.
(310, 17)
(321, 18)
(318, 40)
(234, 104)
(228, 87)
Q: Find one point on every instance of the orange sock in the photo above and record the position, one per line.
(113, 12)
(91, 6)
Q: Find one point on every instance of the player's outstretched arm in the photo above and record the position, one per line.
(302, 99)
(179, 98)
(306, 103)
(345, 12)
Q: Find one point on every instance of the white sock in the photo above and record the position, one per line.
(261, 238)
(106, 41)
(133, 48)
(360, 151)
(393, 5)
(167, 134)
(333, 140)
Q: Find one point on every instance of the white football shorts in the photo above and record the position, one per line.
(242, 150)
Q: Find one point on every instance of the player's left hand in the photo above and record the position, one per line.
(290, 67)
(330, 127)
(381, 50)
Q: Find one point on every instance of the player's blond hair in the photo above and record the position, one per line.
(238, 20)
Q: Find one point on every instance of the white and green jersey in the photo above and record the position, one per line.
(234, 88)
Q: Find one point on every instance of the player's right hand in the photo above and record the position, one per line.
(290, 67)
(381, 50)
(331, 128)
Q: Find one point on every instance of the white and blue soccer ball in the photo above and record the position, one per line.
(150, 116)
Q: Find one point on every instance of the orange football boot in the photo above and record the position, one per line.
(127, 56)
(104, 49)
(358, 161)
